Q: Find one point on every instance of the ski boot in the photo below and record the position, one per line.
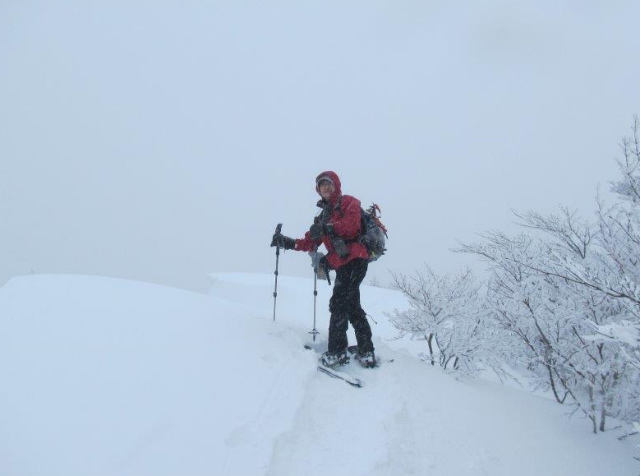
(333, 359)
(367, 359)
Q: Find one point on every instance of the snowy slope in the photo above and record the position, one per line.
(111, 377)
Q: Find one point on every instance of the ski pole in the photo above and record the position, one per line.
(275, 289)
(315, 332)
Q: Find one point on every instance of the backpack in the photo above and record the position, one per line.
(373, 233)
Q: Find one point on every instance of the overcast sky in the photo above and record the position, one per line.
(161, 141)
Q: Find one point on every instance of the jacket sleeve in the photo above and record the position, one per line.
(307, 243)
(347, 223)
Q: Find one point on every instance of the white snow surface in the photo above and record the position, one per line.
(101, 376)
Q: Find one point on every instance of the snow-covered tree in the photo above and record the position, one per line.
(446, 312)
(548, 316)
(569, 293)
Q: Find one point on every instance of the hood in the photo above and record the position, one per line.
(336, 182)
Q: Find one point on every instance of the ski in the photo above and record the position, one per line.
(353, 381)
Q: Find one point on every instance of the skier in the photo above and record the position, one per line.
(337, 226)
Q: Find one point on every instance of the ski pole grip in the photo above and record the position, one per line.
(276, 242)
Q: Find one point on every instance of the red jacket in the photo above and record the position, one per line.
(345, 217)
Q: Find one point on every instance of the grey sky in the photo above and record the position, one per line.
(163, 140)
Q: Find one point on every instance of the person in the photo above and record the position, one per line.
(338, 227)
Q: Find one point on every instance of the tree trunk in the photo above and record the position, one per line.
(603, 406)
(603, 417)
(592, 411)
(429, 341)
(552, 382)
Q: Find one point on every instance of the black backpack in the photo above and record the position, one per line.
(373, 233)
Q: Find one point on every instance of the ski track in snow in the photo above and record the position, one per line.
(246, 443)
(338, 425)
(338, 428)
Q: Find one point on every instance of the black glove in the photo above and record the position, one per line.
(283, 241)
(318, 230)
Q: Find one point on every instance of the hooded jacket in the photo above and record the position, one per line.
(343, 213)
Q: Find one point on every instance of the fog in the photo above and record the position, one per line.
(161, 141)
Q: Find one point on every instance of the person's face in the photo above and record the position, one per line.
(326, 189)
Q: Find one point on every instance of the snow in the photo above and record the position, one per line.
(624, 331)
(101, 376)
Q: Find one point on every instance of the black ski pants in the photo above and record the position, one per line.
(345, 308)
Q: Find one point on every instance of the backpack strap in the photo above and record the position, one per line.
(338, 207)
